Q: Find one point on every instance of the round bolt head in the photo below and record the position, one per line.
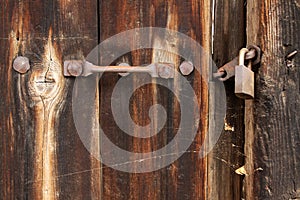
(75, 68)
(21, 64)
(186, 68)
(166, 71)
(124, 64)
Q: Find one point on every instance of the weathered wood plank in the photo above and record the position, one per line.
(42, 156)
(190, 171)
(116, 184)
(10, 183)
(186, 178)
(227, 156)
(273, 145)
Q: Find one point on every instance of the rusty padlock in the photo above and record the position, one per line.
(244, 78)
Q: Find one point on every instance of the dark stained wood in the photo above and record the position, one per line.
(274, 143)
(228, 154)
(190, 172)
(42, 156)
(116, 184)
(186, 178)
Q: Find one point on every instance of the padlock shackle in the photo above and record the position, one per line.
(242, 56)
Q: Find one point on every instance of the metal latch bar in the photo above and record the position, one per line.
(85, 68)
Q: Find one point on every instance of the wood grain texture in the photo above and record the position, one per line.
(41, 154)
(274, 25)
(185, 178)
(228, 154)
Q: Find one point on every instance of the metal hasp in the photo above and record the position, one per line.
(228, 70)
(85, 68)
(244, 76)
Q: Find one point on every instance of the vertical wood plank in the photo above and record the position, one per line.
(121, 185)
(9, 185)
(228, 154)
(274, 162)
(42, 155)
(186, 178)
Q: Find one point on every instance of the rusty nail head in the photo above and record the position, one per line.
(21, 64)
(73, 67)
(165, 70)
(186, 68)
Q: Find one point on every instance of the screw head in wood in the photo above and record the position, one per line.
(21, 64)
(186, 68)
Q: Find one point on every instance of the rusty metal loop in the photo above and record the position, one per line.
(257, 54)
(251, 54)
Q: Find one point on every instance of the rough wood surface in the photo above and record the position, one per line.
(228, 154)
(274, 170)
(186, 178)
(41, 154)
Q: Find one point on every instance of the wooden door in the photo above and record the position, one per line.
(42, 154)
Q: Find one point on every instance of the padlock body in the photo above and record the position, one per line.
(244, 82)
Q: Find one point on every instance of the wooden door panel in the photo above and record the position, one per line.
(186, 178)
(228, 154)
(42, 155)
(273, 142)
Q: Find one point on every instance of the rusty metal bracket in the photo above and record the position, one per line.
(228, 70)
(85, 68)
